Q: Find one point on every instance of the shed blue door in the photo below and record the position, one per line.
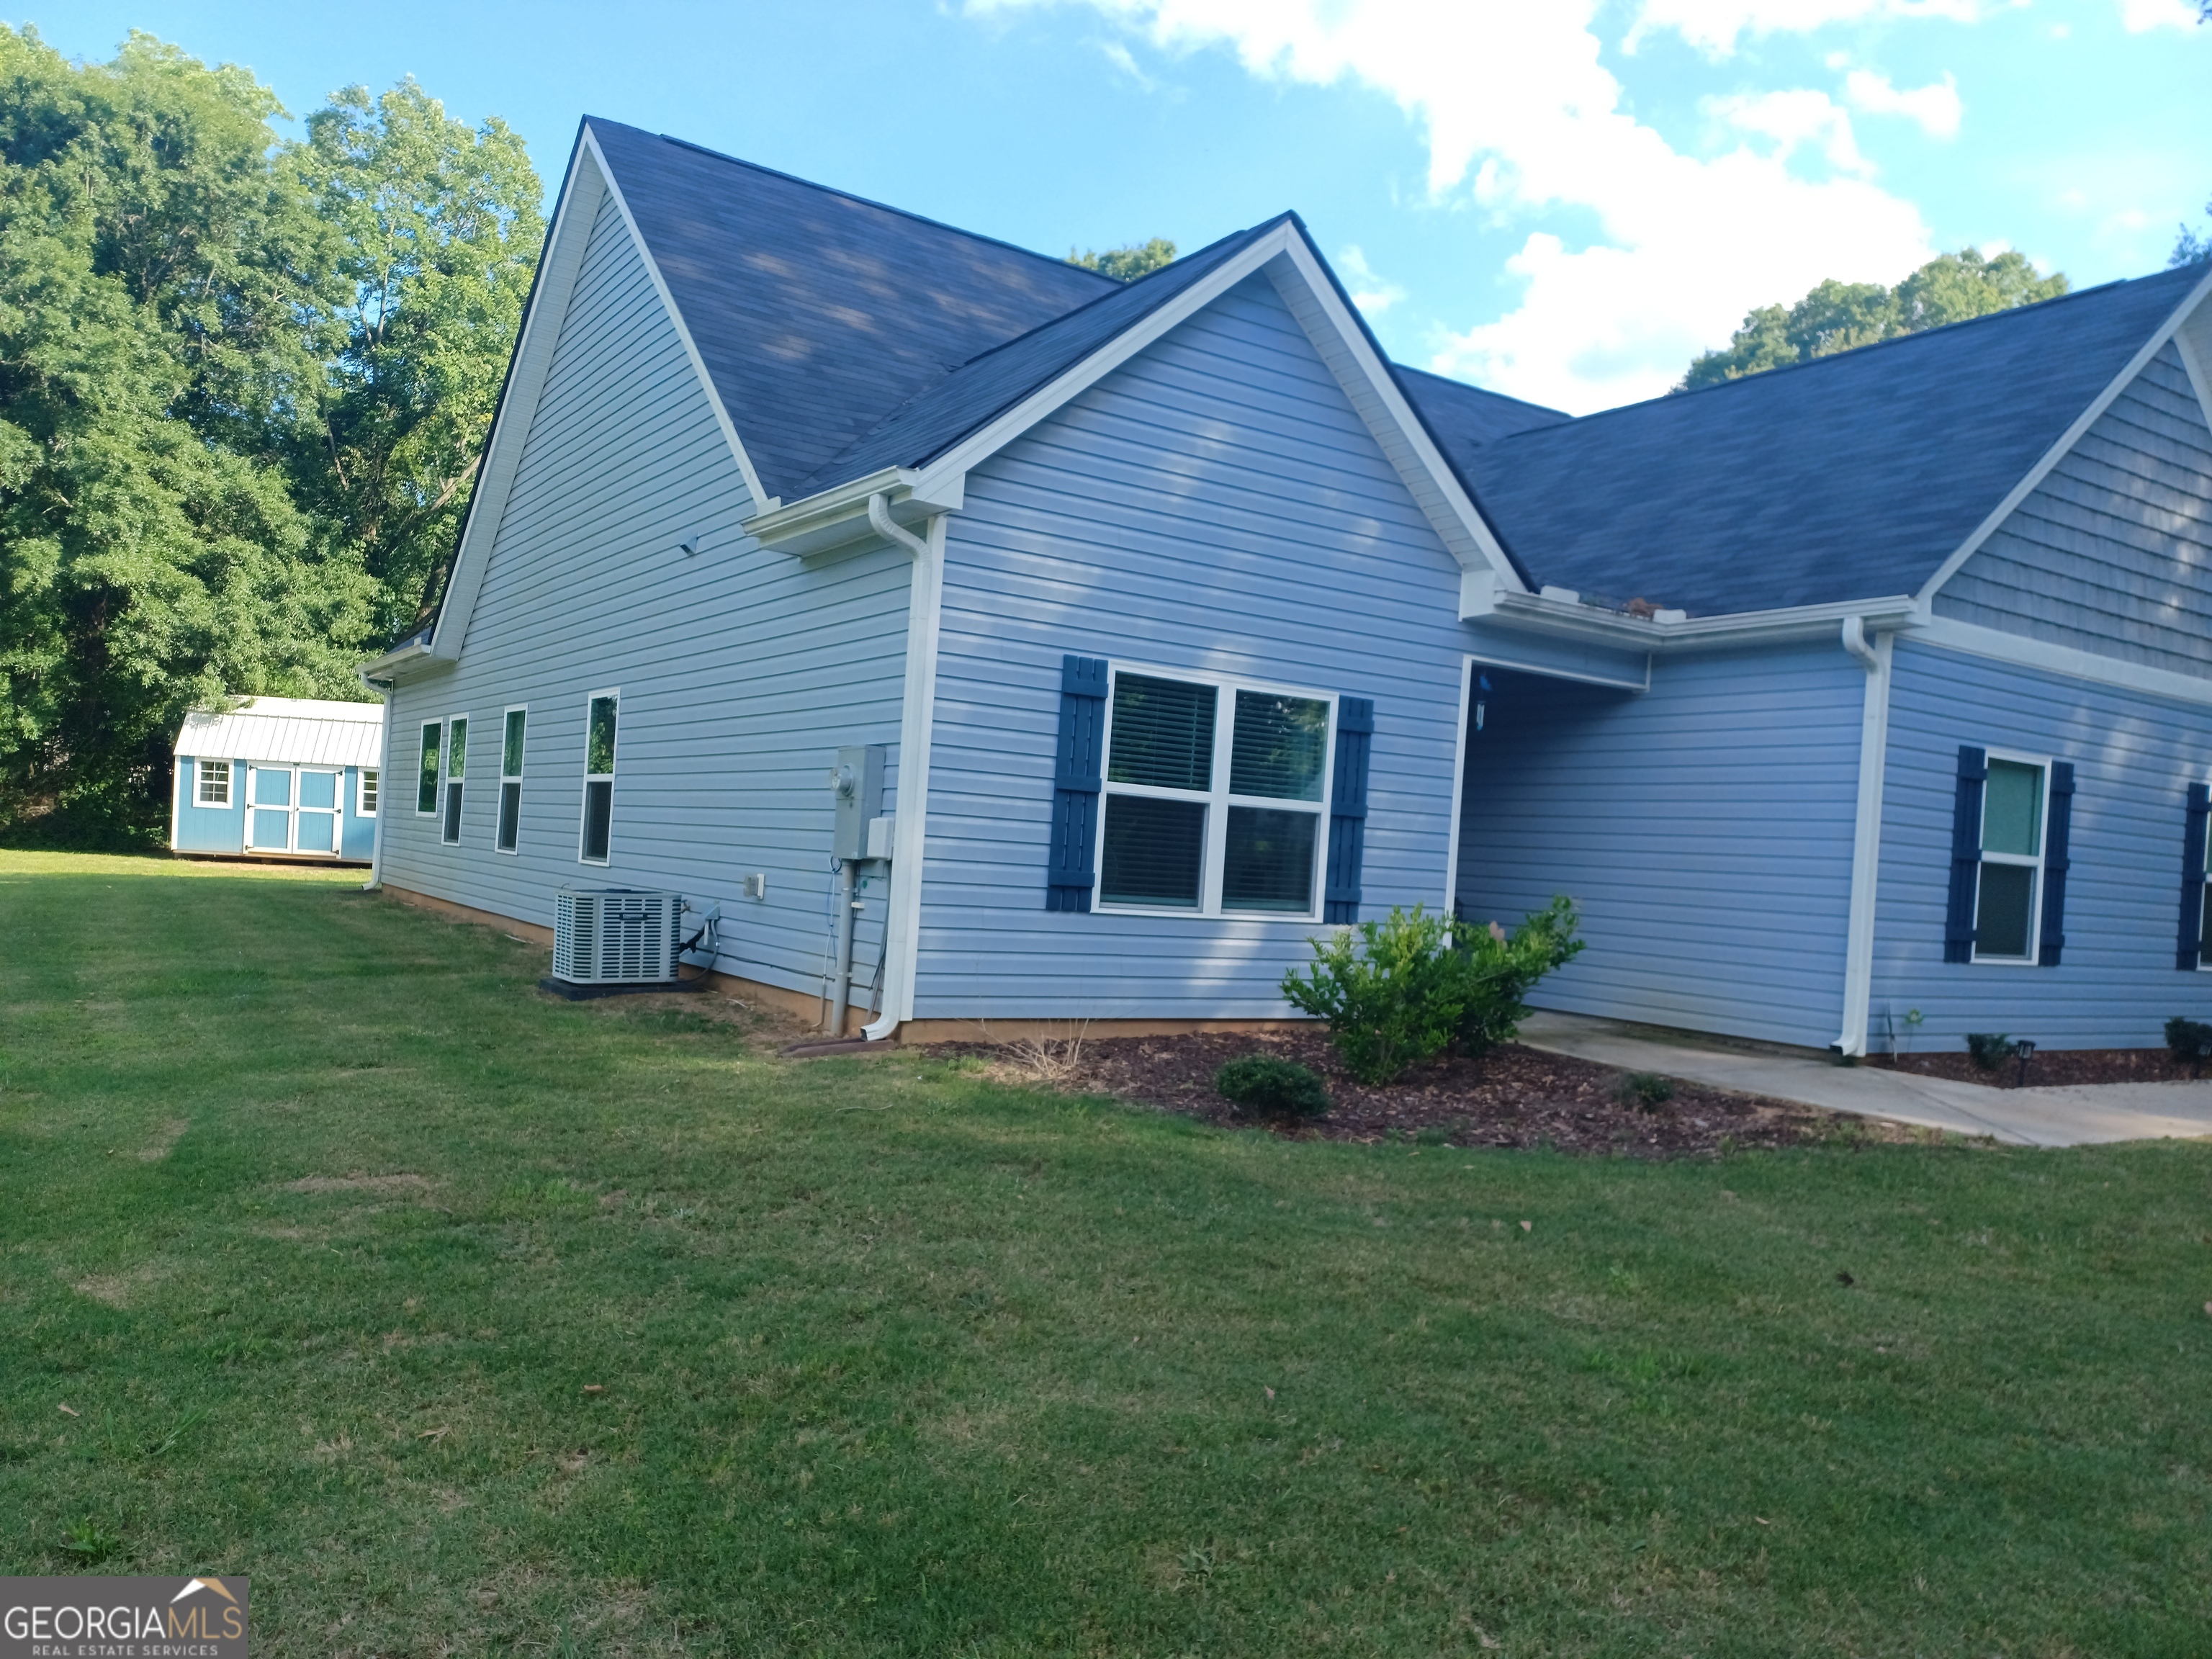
(317, 828)
(268, 824)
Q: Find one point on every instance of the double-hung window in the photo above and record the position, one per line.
(365, 793)
(599, 777)
(212, 778)
(1215, 795)
(510, 780)
(2009, 895)
(457, 766)
(426, 782)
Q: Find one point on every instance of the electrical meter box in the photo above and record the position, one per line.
(859, 784)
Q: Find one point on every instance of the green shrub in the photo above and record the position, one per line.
(2190, 1040)
(1388, 989)
(1399, 991)
(1496, 970)
(1646, 1091)
(1279, 1087)
(1990, 1049)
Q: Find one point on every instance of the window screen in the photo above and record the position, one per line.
(598, 779)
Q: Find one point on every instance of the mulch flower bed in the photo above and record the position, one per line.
(2048, 1066)
(1511, 1096)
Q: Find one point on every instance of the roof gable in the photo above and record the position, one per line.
(1853, 476)
(815, 313)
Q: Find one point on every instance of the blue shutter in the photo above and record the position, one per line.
(2189, 946)
(1075, 784)
(2056, 839)
(1965, 854)
(1347, 810)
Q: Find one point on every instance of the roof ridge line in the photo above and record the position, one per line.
(852, 196)
(2009, 311)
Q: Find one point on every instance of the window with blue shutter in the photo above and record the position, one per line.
(1965, 854)
(2189, 953)
(2058, 835)
(1075, 784)
(1347, 811)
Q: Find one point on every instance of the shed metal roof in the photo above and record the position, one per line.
(287, 732)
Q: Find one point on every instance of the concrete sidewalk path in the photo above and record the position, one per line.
(2074, 1115)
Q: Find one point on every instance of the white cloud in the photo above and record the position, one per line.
(1124, 60)
(1371, 293)
(1522, 117)
(1714, 27)
(1935, 107)
(2141, 16)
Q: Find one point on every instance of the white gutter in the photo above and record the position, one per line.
(1560, 612)
(382, 672)
(848, 512)
(902, 927)
(1866, 831)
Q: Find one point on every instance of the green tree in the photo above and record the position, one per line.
(1126, 265)
(1839, 316)
(2188, 248)
(153, 272)
(438, 234)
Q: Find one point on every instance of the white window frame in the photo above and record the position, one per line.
(368, 796)
(2202, 966)
(2042, 850)
(449, 781)
(229, 795)
(584, 791)
(438, 786)
(1218, 800)
(515, 778)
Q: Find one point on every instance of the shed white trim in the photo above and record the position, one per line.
(287, 732)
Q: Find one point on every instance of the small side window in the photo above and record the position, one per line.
(457, 766)
(426, 786)
(510, 780)
(213, 778)
(597, 835)
(2006, 897)
(365, 793)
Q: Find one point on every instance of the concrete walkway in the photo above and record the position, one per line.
(2074, 1115)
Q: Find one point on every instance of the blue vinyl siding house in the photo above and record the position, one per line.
(279, 777)
(1189, 626)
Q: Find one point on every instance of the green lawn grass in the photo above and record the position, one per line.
(321, 1220)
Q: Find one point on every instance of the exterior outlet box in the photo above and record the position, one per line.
(757, 885)
(858, 785)
(880, 831)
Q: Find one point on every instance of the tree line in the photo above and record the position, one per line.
(244, 383)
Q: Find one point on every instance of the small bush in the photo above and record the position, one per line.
(1645, 1091)
(1278, 1088)
(2189, 1040)
(1399, 991)
(1990, 1049)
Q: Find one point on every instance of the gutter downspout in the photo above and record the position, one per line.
(902, 927)
(375, 882)
(1874, 657)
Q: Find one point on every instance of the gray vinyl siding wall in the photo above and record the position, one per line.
(1704, 827)
(740, 670)
(1214, 503)
(2113, 552)
(2134, 755)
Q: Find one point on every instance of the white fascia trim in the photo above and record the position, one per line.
(2193, 340)
(762, 501)
(910, 820)
(1950, 634)
(518, 409)
(2072, 434)
(841, 514)
(390, 668)
(1375, 393)
(1571, 619)
(1866, 844)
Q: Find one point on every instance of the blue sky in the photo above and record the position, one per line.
(1562, 201)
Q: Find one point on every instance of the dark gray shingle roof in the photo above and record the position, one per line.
(1463, 417)
(1853, 476)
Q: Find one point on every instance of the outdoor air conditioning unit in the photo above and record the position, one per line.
(616, 935)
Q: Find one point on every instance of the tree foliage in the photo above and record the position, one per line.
(1126, 265)
(1839, 316)
(215, 477)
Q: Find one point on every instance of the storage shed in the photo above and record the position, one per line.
(279, 777)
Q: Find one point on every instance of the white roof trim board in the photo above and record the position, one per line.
(287, 732)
